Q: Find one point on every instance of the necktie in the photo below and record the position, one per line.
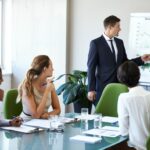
(113, 50)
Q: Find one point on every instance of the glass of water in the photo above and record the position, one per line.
(53, 121)
(84, 113)
(98, 121)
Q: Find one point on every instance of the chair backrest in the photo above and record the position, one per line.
(11, 106)
(148, 143)
(107, 104)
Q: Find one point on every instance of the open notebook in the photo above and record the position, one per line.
(107, 131)
(22, 128)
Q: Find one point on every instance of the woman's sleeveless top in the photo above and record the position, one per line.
(37, 97)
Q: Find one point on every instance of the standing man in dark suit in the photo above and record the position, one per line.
(106, 53)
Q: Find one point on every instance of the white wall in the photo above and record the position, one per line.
(6, 84)
(34, 32)
(38, 27)
(86, 23)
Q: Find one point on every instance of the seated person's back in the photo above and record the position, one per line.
(133, 107)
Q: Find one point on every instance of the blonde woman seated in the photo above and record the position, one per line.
(37, 92)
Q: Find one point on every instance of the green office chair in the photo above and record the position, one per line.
(107, 104)
(148, 143)
(11, 106)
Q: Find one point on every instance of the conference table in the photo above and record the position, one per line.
(47, 140)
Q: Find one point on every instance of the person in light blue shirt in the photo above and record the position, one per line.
(13, 122)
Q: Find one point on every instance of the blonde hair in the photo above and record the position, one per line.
(37, 66)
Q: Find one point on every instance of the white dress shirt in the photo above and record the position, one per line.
(114, 44)
(134, 116)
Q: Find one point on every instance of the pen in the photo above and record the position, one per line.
(19, 118)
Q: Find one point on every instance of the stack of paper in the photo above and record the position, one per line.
(84, 138)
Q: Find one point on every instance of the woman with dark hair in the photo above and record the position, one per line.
(133, 107)
(37, 91)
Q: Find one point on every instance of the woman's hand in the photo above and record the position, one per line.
(145, 57)
(50, 85)
(45, 116)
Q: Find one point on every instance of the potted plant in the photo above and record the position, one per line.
(74, 90)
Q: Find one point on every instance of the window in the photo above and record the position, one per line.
(0, 32)
(5, 35)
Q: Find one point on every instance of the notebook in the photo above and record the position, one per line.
(22, 128)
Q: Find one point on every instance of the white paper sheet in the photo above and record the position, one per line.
(110, 119)
(88, 117)
(67, 120)
(111, 128)
(42, 123)
(84, 138)
(39, 123)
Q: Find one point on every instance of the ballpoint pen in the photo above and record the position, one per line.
(17, 117)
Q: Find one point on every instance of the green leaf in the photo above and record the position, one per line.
(62, 88)
(73, 78)
(67, 91)
(82, 74)
(62, 76)
(70, 93)
(75, 89)
(69, 99)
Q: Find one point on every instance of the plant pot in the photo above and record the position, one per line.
(82, 104)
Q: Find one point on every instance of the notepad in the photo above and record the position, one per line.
(106, 131)
(22, 128)
(38, 123)
(84, 138)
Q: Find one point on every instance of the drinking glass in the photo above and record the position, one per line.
(84, 125)
(61, 125)
(53, 121)
(98, 121)
(84, 113)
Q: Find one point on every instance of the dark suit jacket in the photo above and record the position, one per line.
(102, 67)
